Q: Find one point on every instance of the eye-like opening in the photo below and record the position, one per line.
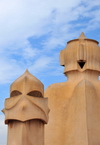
(81, 63)
(15, 93)
(35, 94)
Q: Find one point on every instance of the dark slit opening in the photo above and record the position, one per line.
(81, 63)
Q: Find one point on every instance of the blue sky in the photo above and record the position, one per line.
(32, 33)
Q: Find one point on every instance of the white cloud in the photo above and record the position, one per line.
(30, 52)
(41, 64)
(3, 131)
(21, 20)
(9, 69)
(59, 20)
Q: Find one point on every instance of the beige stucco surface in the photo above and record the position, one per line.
(26, 111)
(25, 133)
(74, 117)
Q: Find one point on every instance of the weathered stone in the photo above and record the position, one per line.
(75, 104)
(26, 111)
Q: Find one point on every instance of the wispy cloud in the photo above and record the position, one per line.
(21, 20)
(3, 131)
(49, 25)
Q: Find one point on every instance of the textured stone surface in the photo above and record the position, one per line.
(75, 105)
(26, 111)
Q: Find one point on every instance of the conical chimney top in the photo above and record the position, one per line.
(27, 83)
(27, 70)
(82, 36)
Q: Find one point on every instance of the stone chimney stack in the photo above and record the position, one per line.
(26, 111)
(75, 104)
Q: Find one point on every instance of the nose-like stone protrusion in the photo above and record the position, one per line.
(81, 53)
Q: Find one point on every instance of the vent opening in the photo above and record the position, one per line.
(15, 93)
(35, 94)
(81, 63)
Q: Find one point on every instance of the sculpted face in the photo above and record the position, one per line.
(26, 100)
(81, 54)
